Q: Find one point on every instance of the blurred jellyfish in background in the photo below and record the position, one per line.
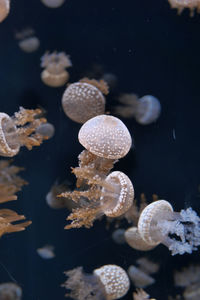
(4, 9)
(46, 130)
(84, 100)
(54, 64)
(28, 42)
(46, 252)
(145, 110)
(10, 291)
(118, 236)
(111, 80)
(53, 3)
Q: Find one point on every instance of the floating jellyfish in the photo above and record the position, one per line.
(20, 130)
(10, 182)
(53, 3)
(180, 232)
(106, 139)
(46, 130)
(187, 276)
(28, 42)
(145, 110)
(139, 277)
(180, 5)
(54, 64)
(10, 291)
(84, 100)
(118, 236)
(46, 252)
(109, 282)
(148, 266)
(135, 241)
(4, 9)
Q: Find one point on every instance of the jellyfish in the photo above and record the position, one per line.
(108, 282)
(140, 294)
(53, 3)
(180, 5)
(28, 42)
(20, 130)
(139, 277)
(118, 236)
(10, 291)
(46, 130)
(10, 182)
(46, 252)
(180, 232)
(187, 276)
(84, 100)
(4, 9)
(54, 64)
(145, 110)
(106, 139)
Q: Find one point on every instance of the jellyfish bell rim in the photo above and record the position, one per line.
(147, 117)
(5, 149)
(100, 152)
(54, 80)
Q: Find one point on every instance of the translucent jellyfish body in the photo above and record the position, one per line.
(180, 5)
(109, 282)
(145, 110)
(139, 277)
(28, 42)
(53, 3)
(180, 232)
(54, 64)
(10, 291)
(84, 100)
(46, 130)
(4, 9)
(19, 130)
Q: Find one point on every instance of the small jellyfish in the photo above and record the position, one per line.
(4, 9)
(54, 64)
(180, 5)
(84, 100)
(145, 110)
(139, 277)
(148, 266)
(20, 130)
(118, 236)
(46, 252)
(10, 291)
(180, 232)
(140, 294)
(53, 3)
(108, 282)
(28, 42)
(46, 130)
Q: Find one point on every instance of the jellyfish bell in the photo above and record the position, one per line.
(4, 9)
(53, 3)
(46, 130)
(28, 42)
(10, 291)
(148, 110)
(54, 64)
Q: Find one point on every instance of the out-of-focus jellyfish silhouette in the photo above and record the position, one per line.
(106, 139)
(59, 202)
(28, 42)
(180, 232)
(53, 3)
(111, 80)
(4, 9)
(109, 282)
(10, 291)
(84, 100)
(46, 252)
(145, 110)
(54, 64)
(20, 130)
(180, 5)
(46, 130)
(10, 182)
(187, 276)
(139, 277)
(118, 236)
